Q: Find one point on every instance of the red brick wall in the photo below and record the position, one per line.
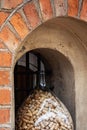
(17, 19)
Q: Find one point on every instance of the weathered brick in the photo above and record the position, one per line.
(61, 7)
(9, 38)
(4, 77)
(19, 25)
(73, 6)
(9, 4)
(46, 9)
(84, 11)
(5, 59)
(4, 116)
(2, 46)
(32, 14)
(3, 16)
(5, 96)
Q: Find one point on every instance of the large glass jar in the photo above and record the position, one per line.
(42, 110)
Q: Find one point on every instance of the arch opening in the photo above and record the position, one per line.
(62, 35)
(59, 77)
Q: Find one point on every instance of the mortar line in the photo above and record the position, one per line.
(15, 10)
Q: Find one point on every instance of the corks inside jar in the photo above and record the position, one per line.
(43, 111)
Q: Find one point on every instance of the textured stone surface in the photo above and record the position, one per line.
(32, 14)
(9, 38)
(4, 116)
(73, 7)
(2, 46)
(60, 6)
(84, 11)
(9, 4)
(78, 30)
(19, 25)
(3, 16)
(5, 96)
(5, 59)
(46, 9)
(4, 77)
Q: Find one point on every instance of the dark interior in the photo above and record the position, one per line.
(27, 79)
(58, 76)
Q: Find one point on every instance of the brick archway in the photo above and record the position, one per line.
(18, 20)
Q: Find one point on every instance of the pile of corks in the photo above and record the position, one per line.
(43, 111)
